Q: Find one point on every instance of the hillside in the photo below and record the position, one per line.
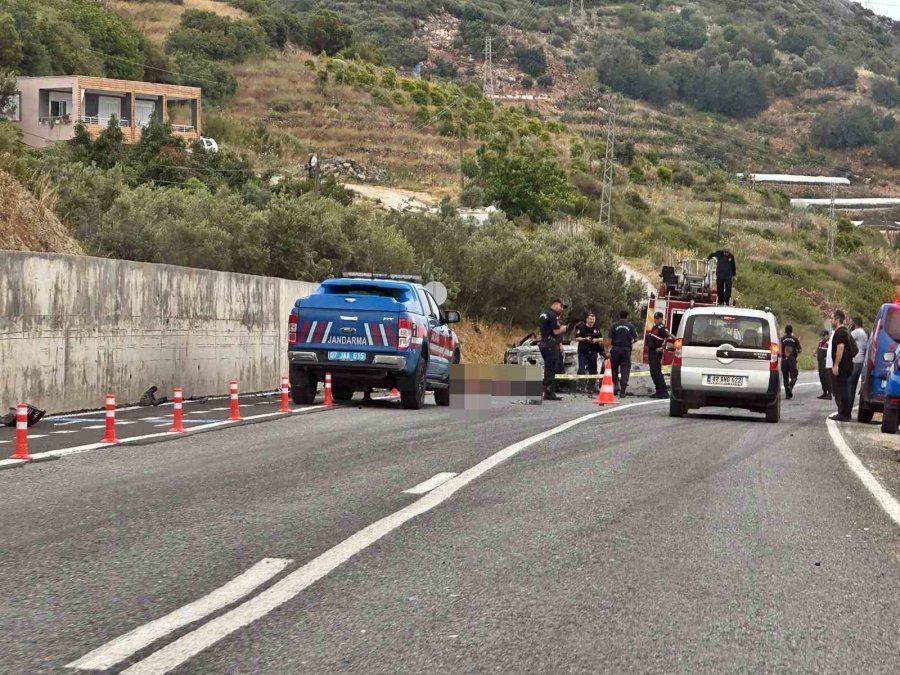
(26, 224)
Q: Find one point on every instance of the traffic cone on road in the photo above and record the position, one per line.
(110, 436)
(607, 393)
(22, 433)
(285, 390)
(395, 392)
(178, 417)
(329, 401)
(235, 403)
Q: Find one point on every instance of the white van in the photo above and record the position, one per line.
(727, 357)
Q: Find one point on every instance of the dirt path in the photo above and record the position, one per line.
(394, 199)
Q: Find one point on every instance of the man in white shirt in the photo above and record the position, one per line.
(862, 343)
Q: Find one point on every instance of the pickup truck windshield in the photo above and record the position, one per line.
(398, 294)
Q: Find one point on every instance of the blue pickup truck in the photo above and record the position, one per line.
(372, 332)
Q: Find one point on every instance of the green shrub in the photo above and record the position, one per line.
(885, 92)
(664, 174)
(839, 71)
(683, 177)
(843, 127)
(531, 60)
(636, 174)
(889, 148)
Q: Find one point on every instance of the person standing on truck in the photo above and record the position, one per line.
(551, 347)
(589, 339)
(656, 343)
(622, 336)
(858, 333)
(790, 352)
(842, 366)
(822, 357)
(726, 273)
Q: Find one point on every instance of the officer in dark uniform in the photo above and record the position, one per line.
(589, 339)
(551, 347)
(622, 336)
(790, 351)
(656, 342)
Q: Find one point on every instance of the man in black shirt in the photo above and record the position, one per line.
(842, 359)
(790, 352)
(589, 339)
(656, 342)
(726, 273)
(550, 345)
(623, 336)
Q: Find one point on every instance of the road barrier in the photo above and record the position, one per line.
(178, 416)
(607, 391)
(329, 401)
(22, 433)
(285, 390)
(235, 403)
(110, 436)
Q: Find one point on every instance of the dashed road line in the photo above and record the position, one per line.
(430, 484)
(189, 645)
(121, 648)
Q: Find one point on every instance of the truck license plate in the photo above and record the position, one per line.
(346, 356)
(725, 380)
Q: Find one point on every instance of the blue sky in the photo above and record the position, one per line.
(889, 8)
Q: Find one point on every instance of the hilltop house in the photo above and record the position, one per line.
(48, 108)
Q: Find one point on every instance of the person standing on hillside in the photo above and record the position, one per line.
(726, 273)
(589, 339)
(822, 353)
(841, 366)
(622, 336)
(862, 344)
(790, 352)
(312, 166)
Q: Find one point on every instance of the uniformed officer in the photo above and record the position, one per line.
(551, 347)
(622, 336)
(656, 342)
(790, 351)
(589, 339)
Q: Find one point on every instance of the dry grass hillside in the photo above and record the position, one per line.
(27, 224)
(156, 19)
(486, 343)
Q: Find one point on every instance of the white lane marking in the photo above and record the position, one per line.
(124, 646)
(33, 436)
(5, 463)
(95, 426)
(65, 431)
(890, 505)
(430, 484)
(191, 644)
(218, 409)
(121, 422)
(124, 441)
(2, 442)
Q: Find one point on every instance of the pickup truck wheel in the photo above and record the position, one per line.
(415, 399)
(864, 415)
(304, 394)
(341, 392)
(890, 420)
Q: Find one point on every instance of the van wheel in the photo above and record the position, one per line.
(415, 399)
(341, 392)
(676, 408)
(773, 412)
(890, 420)
(864, 415)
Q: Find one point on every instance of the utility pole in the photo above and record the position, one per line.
(608, 167)
(462, 178)
(488, 67)
(719, 226)
(832, 226)
(571, 6)
(582, 10)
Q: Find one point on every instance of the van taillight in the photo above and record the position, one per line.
(679, 343)
(292, 329)
(404, 333)
(773, 360)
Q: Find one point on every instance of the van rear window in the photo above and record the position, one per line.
(743, 332)
(398, 294)
(892, 324)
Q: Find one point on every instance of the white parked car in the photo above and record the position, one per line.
(209, 144)
(727, 357)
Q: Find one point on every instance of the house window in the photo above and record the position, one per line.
(59, 108)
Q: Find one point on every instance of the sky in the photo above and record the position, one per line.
(889, 8)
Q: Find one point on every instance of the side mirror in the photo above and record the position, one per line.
(451, 316)
(889, 357)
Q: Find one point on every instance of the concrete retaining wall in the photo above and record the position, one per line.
(74, 327)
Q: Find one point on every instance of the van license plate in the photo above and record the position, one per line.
(725, 380)
(346, 356)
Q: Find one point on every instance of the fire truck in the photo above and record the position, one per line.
(688, 283)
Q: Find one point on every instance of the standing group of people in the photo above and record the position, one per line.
(841, 354)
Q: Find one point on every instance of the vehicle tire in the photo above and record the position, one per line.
(442, 396)
(341, 392)
(864, 415)
(676, 408)
(773, 412)
(304, 394)
(414, 399)
(890, 420)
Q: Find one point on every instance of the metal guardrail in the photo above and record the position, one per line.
(183, 128)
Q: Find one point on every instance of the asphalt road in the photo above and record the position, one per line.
(627, 542)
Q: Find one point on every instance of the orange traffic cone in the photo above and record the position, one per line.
(329, 401)
(110, 436)
(395, 392)
(285, 390)
(607, 393)
(22, 433)
(178, 412)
